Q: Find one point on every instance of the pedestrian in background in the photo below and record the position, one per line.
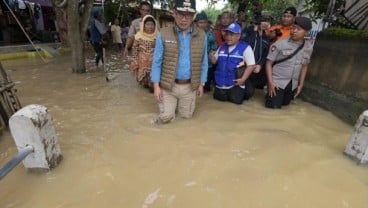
(283, 30)
(144, 9)
(142, 51)
(116, 35)
(202, 22)
(97, 32)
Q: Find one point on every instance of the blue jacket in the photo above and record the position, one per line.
(96, 30)
(227, 62)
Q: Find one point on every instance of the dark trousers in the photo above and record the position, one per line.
(258, 80)
(283, 97)
(99, 52)
(249, 89)
(234, 94)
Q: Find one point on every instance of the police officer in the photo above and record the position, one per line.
(287, 64)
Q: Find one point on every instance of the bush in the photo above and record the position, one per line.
(343, 33)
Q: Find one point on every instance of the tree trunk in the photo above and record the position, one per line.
(77, 28)
(61, 20)
(75, 39)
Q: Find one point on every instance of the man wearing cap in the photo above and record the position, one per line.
(287, 64)
(278, 32)
(202, 22)
(180, 63)
(144, 9)
(228, 56)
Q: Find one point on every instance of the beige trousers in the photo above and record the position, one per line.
(181, 100)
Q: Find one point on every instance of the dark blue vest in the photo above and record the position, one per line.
(227, 62)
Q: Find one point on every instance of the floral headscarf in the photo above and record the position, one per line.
(145, 36)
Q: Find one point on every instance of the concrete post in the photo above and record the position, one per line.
(357, 148)
(32, 125)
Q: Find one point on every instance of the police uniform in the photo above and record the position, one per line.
(288, 65)
(134, 27)
(289, 70)
(286, 74)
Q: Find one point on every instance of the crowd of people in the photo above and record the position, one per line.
(181, 62)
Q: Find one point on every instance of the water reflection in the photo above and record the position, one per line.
(226, 156)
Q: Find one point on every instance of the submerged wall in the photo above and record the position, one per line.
(337, 77)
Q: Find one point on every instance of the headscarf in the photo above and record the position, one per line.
(145, 36)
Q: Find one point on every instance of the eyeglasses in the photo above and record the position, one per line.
(185, 15)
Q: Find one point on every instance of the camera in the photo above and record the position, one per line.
(278, 33)
(257, 11)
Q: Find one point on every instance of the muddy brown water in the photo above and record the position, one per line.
(226, 156)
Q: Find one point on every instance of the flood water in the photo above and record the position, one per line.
(226, 156)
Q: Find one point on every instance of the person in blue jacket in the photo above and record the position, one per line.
(97, 32)
(230, 55)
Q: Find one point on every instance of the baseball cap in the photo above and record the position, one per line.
(234, 28)
(303, 22)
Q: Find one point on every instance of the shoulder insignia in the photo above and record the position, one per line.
(273, 48)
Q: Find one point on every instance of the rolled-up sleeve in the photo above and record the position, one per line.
(157, 60)
(204, 66)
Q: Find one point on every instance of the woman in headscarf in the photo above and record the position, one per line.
(142, 51)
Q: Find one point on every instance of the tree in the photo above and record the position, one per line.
(78, 14)
(274, 8)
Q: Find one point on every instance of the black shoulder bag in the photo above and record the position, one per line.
(239, 71)
(289, 56)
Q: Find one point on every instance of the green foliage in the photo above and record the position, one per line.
(212, 14)
(275, 8)
(111, 10)
(319, 7)
(332, 32)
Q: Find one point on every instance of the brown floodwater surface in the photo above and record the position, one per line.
(226, 156)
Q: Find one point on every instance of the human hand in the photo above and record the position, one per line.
(239, 81)
(298, 90)
(157, 93)
(200, 91)
(212, 57)
(272, 87)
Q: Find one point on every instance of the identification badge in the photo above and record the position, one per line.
(287, 52)
(171, 41)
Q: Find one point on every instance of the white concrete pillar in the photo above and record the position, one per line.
(357, 148)
(32, 125)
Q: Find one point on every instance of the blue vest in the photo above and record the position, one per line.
(227, 62)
